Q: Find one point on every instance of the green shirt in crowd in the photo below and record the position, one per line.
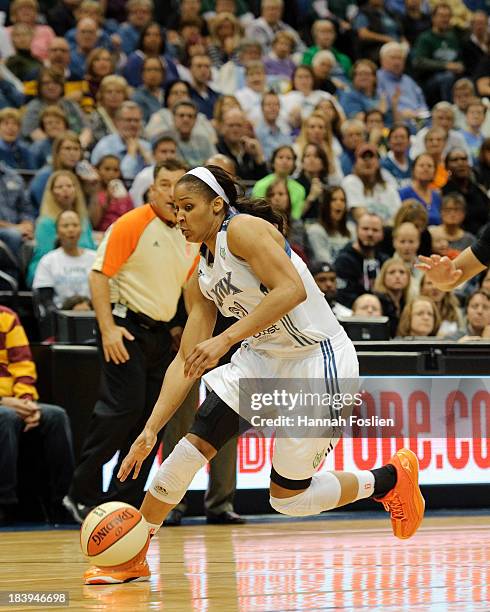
(433, 51)
(342, 59)
(296, 193)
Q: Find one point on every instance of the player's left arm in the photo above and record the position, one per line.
(260, 245)
(447, 274)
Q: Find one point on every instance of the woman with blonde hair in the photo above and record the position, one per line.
(411, 211)
(63, 195)
(392, 286)
(225, 37)
(420, 317)
(67, 152)
(113, 91)
(316, 129)
(63, 192)
(448, 305)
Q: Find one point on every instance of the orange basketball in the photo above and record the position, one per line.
(113, 534)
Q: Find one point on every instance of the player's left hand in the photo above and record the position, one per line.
(441, 270)
(205, 356)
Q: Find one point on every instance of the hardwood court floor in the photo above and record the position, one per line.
(277, 566)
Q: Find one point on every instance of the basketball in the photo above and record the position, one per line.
(113, 534)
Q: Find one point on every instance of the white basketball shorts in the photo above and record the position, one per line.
(332, 360)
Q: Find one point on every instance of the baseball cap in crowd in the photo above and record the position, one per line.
(320, 266)
(366, 147)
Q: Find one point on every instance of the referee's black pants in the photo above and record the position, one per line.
(127, 395)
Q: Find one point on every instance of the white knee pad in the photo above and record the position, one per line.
(322, 494)
(176, 473)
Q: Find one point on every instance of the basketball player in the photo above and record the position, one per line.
(246, 265)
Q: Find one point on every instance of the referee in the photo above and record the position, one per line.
(136, 282)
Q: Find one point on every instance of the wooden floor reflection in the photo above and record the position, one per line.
(278, 566)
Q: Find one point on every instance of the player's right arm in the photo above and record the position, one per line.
(199, 327)
(447, 274)
(175, 386)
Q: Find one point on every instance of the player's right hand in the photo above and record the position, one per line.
(139, 451)
(113, 344)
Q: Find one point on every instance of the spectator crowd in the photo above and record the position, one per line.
(367, 124)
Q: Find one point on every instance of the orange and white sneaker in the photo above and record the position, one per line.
(136, 570)
(404, 502)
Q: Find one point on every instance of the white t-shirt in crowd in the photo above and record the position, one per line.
(383, 201)
(67, 275)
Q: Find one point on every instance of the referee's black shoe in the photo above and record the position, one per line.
(78, 511)
(225, 518)
(58, 514)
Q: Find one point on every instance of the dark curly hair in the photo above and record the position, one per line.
(235, 193)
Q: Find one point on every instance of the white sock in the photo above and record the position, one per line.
(365, 481)
(153, 528)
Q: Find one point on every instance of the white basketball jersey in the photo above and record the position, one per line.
(232, 285)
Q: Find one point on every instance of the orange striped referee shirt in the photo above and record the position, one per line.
(148, 263)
